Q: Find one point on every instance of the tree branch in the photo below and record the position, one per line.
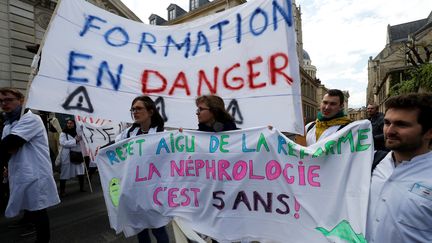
(428, 53)
(416, 54)
(411, 60)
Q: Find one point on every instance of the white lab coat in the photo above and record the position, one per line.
(311, 137)
(31, 181)
(69, 170)
(123, 134)
(400, 202)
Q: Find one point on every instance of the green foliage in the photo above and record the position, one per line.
(424, 76)
(394, 78)
(419, 79)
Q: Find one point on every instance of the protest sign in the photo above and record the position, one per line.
(96, 133)
(98, 62)
(252, 184)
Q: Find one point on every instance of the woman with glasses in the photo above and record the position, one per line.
(147, 120)
(212, 116)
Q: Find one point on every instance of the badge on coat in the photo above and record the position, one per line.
(422, 191)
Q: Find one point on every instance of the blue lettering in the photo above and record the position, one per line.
(89, 24)
(286, 15)
(214, 144)
(72, 67)
(202, 40)
(186, 43)
(257, 32)
(162, 145)
(115, 81)
(244, 148)
(281, 141)
(146, 42)
(219, 28)
(112, 157)
(239, 28)
(119, 30)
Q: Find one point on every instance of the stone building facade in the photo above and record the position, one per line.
(390, 66)
(309, 86)
(357, 114)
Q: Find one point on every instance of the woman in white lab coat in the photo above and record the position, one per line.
(70, 141)
(147, 120)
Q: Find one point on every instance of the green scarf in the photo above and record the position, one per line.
(323, 123)
(322, 118)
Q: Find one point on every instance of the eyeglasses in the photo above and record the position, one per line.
(201, 109)
(7, 100)
(136, 109)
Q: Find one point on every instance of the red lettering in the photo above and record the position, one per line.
(236, 79)
(203, 78)
(274, 70)
(145, 82)
(232, 78)
(180, 82)
(252, 75)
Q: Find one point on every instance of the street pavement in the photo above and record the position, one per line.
(80, 217)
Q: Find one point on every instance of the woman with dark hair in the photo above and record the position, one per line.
(70, 141)
(212, 115)
(147, 120)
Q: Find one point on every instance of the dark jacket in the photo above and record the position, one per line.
(218, 127)
(377, 130)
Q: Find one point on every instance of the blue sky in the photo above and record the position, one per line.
(339, 35)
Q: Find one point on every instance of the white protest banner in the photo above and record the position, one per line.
(252, 184)
(96, 133)
(94, 63)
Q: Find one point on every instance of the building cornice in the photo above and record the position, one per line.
(110, 5)
(48, 4)
(205, 8)
(119, 5)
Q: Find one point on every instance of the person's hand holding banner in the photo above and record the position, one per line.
(251, 184)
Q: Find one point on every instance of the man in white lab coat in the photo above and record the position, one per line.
(400, 203)
(24, 147)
